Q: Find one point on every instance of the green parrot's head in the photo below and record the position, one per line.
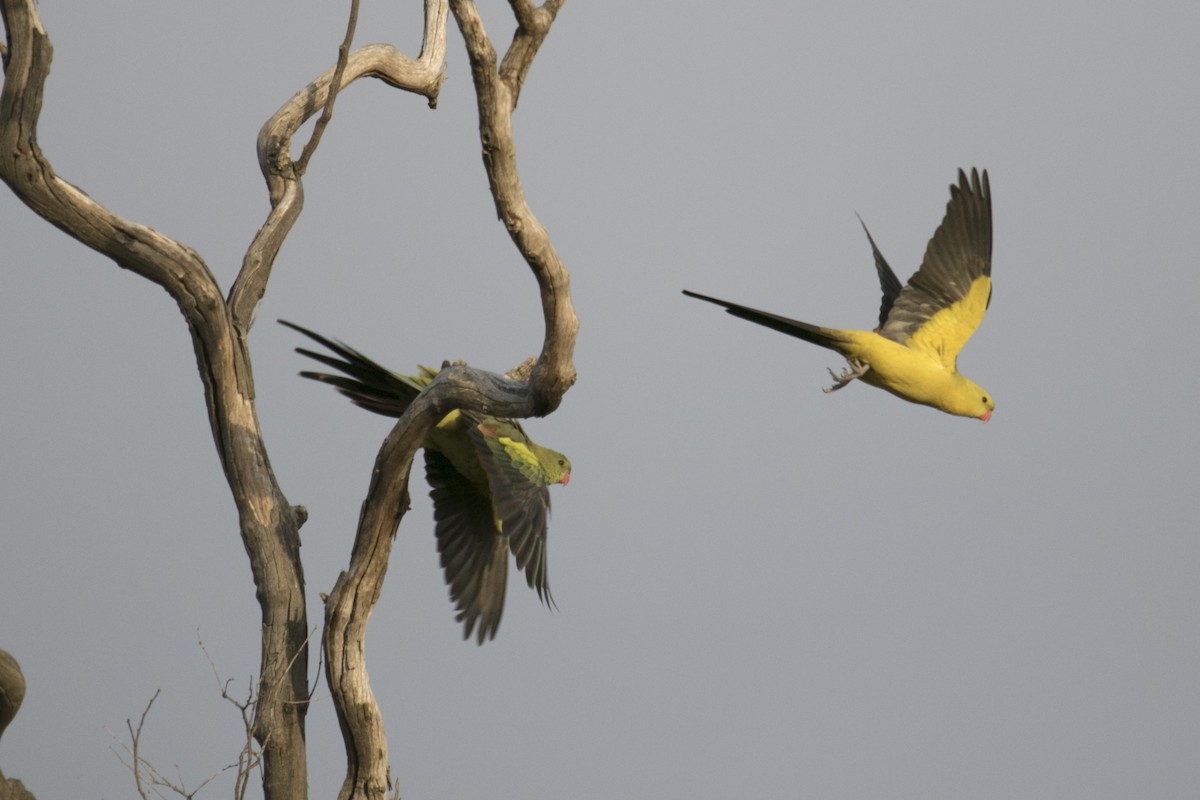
(556, 466)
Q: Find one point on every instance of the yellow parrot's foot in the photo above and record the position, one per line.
(857, 370)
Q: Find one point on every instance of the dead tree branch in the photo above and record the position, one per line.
(249, 757)
(339, 70)
(496, 91)
(423, 76)
(354, 595)
(147, 778)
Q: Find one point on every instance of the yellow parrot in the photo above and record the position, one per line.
(923, 325)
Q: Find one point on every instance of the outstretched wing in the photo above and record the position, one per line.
(889, 284)
(473, 553)
(945, 300)
(520, 498)
(365, 382)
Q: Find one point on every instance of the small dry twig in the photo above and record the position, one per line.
(335, 86)
(147, 778)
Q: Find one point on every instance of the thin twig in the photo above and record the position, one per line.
(146, 777)
(135, 737)
(249, 757)
(334, 87)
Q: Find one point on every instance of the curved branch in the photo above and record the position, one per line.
(496, 92)
(354, 595)
(176, 268)
(424, 76)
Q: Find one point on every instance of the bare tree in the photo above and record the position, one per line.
(219, 324)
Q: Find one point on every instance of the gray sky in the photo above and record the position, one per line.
(764, 591)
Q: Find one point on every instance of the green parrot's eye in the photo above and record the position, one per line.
(984, 399)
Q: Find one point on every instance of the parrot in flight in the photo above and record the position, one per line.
(489, 483)
(924, 324)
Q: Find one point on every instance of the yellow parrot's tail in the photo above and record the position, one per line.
(825, 337)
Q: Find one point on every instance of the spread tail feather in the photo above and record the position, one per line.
(366, 383)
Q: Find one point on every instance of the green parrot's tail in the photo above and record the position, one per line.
(366, 383)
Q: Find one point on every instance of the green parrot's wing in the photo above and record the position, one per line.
(365, 382)
(474, 554)
(520, 498)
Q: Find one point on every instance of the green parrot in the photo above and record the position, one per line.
(489, 483)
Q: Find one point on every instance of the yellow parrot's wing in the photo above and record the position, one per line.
(889, 284)
(945, 300)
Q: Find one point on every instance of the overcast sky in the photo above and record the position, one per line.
(763, 590)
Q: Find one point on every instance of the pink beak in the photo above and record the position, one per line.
(566, 479)
(986, 416)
